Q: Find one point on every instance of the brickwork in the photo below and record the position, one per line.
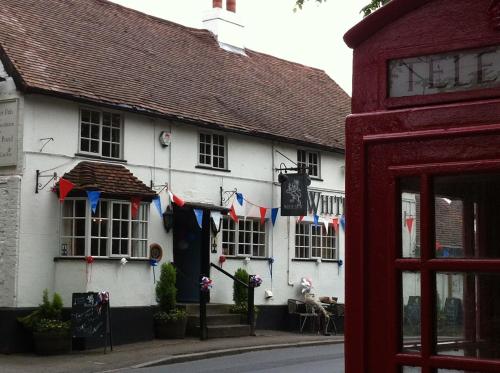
(10, 191)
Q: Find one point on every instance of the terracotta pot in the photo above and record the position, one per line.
(50, 343)
(170, 329)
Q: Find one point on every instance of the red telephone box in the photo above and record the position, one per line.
(423, 186)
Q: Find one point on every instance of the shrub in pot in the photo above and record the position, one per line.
(51, 335)
(240, 297)
(169, 321)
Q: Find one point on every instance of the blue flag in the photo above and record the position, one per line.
(274, 214)
(239, 197)
(157, 203)
(93, 196)
(199, 216)
(316, 219)
(342, 222)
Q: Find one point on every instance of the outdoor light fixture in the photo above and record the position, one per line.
(168, 219)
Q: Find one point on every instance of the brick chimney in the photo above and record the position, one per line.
(224, 23)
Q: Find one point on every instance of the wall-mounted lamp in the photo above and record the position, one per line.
(168, 219)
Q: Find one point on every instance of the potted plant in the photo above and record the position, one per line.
(51, 335)
(169, 321)
(240, 297)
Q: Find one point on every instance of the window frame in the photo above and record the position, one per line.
(100, 139)
(236, 232)
(310, 248)
(143, 208)
(307, 163)
(211, 155)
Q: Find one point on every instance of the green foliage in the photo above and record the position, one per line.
(52, 326)
(166, 291)
(46, 311)
(242, 308)
(373, 6)
(300, 3)
(174, 315)
(240, 293)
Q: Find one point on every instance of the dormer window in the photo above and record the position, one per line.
(100, 133)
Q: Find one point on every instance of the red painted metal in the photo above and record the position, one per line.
(389, 138)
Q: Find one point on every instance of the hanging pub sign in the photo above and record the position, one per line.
(294, 194)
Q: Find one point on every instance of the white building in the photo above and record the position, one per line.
(86, 89)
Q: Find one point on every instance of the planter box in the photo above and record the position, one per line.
(171, 329)
(52, 343)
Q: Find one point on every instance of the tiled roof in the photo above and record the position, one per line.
(100, 52)
(113, 180)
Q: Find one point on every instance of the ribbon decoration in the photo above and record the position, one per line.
(123, 261)
(65, 186)
(206, 284)
(153, 263)
(93, 196)
(274, 214)
(263, 211)
(270, 262)
(233, 215)
(157, 203)
(102, 300)
(88, 268)
(255, 281)
(239, 198)
(135, 203)
(409, 223)
(222, 259)
(199, 216)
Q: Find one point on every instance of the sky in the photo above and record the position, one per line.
(311, 36)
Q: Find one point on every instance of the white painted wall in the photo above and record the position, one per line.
(251, 162)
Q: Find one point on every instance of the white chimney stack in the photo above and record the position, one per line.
(223, 22)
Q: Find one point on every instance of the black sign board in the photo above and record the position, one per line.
(90, 317)
(294, 194)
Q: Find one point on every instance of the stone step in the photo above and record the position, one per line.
(212, 308)
(225, 331)
(218, 319)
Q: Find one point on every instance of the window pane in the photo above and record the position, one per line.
(85, 130)
(94, 132)
(68, 208)
(410, 217)
(84, 145)
(79, 247)
(80, 207)
(94, 146)
(466, 216)
(106, 133)
(80, 227)
(85, 116)
(411, 370)
(410, 307)
(467, 314)
(115, 151)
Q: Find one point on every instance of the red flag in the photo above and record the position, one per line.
(300, 219)
(263, 211)
(136, 202)
(177, 200)
(409, 223)
(65, 187)
(438, 246)
(335, 223)
(232, 213)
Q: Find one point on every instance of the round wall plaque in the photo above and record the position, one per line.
(164, 138)
(155, 251)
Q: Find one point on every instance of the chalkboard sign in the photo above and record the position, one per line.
(88, 316)
(294, 194)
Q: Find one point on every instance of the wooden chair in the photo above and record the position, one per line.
(303, 310)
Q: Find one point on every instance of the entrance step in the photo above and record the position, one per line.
(225, 331)
(220, 319)
(212, 308)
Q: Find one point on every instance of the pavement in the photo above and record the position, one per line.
(159, 352)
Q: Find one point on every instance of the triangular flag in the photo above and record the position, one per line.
(199, 216)
(239, 197)
(93, 196)
(274, 214)
(136, 202)
(177, 200)
(232, 213)
(300, 218)
(316, 219)
(157, 202)
(65, 187)
(335, 223)
(249, 209)
(216, 218)
(325, 222)
(342, 222)
(263, 211)
(438, 246)
(409, 224)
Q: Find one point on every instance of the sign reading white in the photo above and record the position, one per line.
(8, 133)
(448, 72)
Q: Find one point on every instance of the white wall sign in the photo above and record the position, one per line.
(447, 72)
(8, 133)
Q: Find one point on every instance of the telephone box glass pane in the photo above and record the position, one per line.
(410, 307)
(455, 371)
(466, 210)
(468, 314)
(410, 217)
(411, 370)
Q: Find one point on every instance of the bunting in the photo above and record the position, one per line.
(409, 223)
(239, 198)
(65, 186)
(175, 199)
(93, 196)
(233, 215)
(199, 217)
(263, 212)
(135, 203)
(216, 218)
(335, 223)
(157, 203)
(274, 214)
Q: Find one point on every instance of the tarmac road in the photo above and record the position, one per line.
(317, 359)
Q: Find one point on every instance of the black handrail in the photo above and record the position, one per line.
(204, 297)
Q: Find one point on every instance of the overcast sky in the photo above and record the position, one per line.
(311, 36)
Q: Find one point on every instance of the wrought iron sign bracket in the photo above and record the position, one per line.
(162, 187)
(39, 175)
(225, 195)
